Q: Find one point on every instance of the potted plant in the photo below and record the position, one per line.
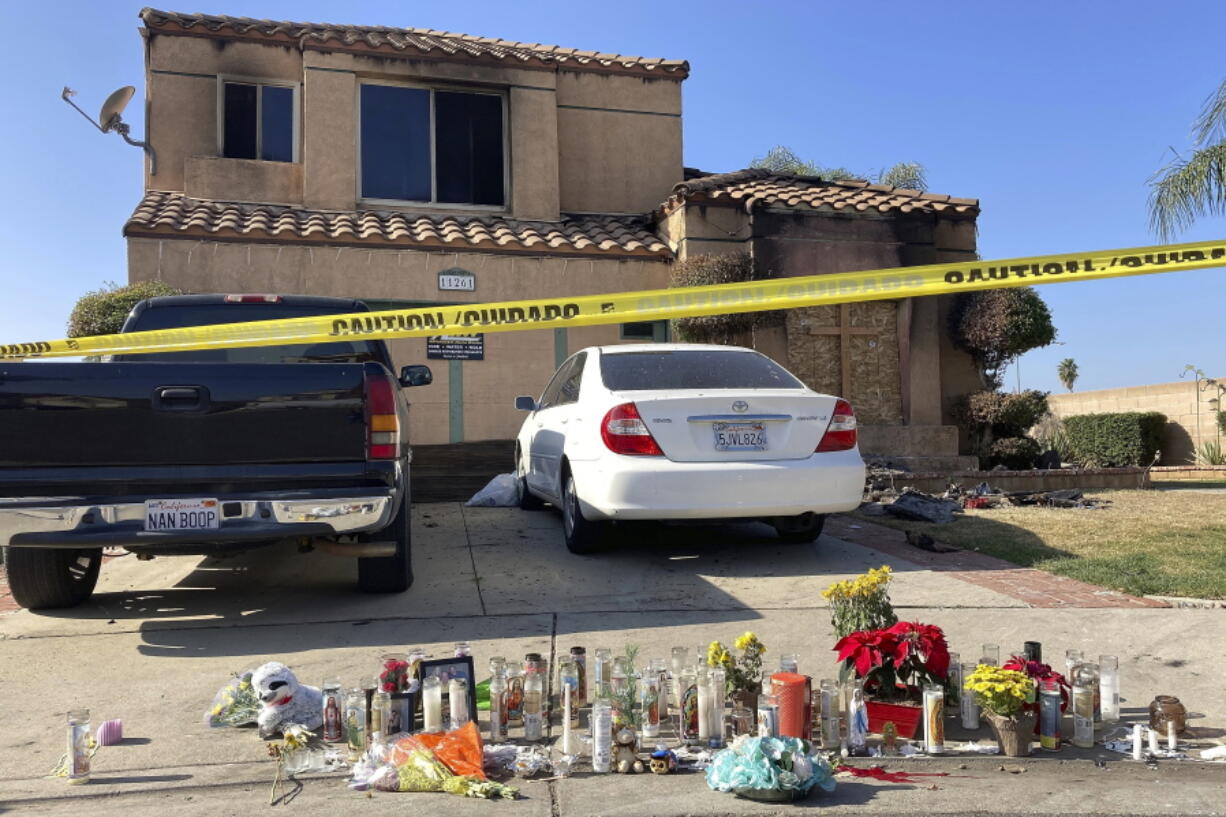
(893, 665)
(1004, 695)
(743, 673)
(862, 603)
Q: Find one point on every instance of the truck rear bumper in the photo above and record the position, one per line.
(69, 522)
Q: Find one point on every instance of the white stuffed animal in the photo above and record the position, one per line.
(284, 700)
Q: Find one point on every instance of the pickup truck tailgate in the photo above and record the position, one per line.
(181, 414)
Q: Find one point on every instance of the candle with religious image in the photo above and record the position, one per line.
(649, 705)
(934, 719)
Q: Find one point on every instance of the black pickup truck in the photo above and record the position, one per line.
(207, 451)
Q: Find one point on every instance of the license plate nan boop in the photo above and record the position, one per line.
(181, 514)
(739, 436)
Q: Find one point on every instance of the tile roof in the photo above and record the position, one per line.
(759, 187)
(416, 42)
(174, 215)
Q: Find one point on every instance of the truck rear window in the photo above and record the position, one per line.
(693, 369)
(173, 317)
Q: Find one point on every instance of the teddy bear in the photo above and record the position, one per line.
(284, 700)
(625, 759)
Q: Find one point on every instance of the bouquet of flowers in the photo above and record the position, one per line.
(449, 762)
(1001, 692)
(896, 662)
(765, 768)
(862, 603)
(743, 673)
(235, 704)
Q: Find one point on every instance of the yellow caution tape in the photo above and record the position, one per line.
(623, 307)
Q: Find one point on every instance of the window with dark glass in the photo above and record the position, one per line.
(258, 122)
(420, 144)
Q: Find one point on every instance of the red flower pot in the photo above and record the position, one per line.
(906, 717)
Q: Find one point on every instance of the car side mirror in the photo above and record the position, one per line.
(416, 375)
(525, 403)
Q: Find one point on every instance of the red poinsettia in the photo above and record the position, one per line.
(866, 649)
(897, 661)
(923, 643)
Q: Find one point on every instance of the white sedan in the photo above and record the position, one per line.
(685, 431)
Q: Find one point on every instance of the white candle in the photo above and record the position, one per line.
(432, 704)
(1171, 743)
(1153, 741)
(457, 698)
(704, 711)
(1136, 742)
(566, 704)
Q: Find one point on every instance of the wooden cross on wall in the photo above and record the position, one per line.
(844, 332)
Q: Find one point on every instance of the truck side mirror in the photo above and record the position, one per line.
(525, 403)
(416, 375)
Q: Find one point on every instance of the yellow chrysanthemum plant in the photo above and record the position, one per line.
(1001, 692)
(862, 603)
(743, 673)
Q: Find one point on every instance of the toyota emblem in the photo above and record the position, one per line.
(740, 407)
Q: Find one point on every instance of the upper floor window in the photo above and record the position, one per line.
(257, 121)
(435, 146)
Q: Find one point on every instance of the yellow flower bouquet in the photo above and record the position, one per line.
(743, 673)
(863, 603)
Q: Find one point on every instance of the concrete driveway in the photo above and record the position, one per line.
(160, 637)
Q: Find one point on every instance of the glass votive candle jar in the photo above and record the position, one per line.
(1166, 708)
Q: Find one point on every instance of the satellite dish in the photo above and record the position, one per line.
(113, 107)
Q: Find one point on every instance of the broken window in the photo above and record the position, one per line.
(257, 122)
(420, 144)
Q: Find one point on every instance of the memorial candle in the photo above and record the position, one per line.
(432, 704)
(567, 708)
(457, 697)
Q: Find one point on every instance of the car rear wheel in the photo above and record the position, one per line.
(390, 574)
(528, 501)
(582, 535)
(46, 578)
(800, 530)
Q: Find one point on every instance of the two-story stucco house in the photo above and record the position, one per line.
(365, 161)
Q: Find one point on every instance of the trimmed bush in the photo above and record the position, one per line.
(1113, 440)
(705, 270)
(1015, 453)
(103, 311)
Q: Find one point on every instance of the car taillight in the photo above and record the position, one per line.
(382, 423)
(624, 432)
(841, 433)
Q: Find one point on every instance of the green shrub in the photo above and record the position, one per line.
(1015, 453)
(1221, 421)
(1112, 440)
(103, 311)
(1009, 415)
(1210, 453)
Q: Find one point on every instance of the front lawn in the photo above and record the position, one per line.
(1170, 543)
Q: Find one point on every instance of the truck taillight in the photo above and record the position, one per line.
(382, 422)
(841, 433)
(624, 432)
(253, 299)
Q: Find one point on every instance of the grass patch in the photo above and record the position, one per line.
(1166, 543)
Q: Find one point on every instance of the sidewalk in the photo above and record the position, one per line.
(162, 636)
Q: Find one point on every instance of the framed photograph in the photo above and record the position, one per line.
(404, 713)
(447, 668)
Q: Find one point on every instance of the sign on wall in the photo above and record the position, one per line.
(455, 278)
(456, 347)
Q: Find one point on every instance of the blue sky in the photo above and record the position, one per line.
(1053, 114)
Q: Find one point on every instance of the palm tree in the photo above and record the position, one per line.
(1067, 372)
(1188, 188)
(782, 159)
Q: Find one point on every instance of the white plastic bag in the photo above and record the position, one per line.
(501, 492)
